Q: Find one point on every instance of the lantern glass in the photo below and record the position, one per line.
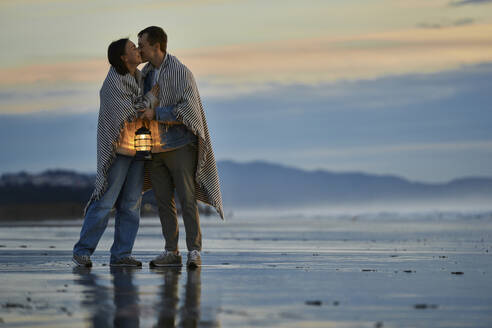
(143, 143)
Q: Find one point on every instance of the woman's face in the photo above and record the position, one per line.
(132, 55)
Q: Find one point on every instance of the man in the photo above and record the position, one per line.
(184, 160)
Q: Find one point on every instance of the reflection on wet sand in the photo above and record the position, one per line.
(124, 311)
(127, 312)
(96, 297)
(189, 313)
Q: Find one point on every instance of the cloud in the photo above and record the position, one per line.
(67, 98)
(370, 95)
(459, 22)
(395, 114)
(345, 58)
(422, 126)
(469, 2)
(306, 60)
(251, 69)
(485, 146)
(90, 70)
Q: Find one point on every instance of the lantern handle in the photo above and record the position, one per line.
(145, 124)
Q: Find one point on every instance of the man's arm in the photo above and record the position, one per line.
(166, 114)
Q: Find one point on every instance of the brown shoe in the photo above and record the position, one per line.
(82, 260)
(126, 262)
(165, 259)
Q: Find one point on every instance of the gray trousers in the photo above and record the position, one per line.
(175, 170)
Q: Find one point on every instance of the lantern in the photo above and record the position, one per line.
(143, 144)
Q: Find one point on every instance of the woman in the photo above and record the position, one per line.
(119, 179)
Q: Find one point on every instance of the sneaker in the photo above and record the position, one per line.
(82, 260)
(166, 259)
(194, 259)
(126, 262)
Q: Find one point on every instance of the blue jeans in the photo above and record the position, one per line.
(124, 192)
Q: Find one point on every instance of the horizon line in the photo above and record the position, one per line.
(258, 161)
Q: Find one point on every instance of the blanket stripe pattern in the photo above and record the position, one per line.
(120, 98)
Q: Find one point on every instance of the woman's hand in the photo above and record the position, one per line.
(155, 90)
(147, 114)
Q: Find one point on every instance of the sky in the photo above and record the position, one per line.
(378, 86)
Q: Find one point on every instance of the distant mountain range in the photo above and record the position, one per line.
(258, 184)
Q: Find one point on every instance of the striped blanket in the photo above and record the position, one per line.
(178, 87)
(120, 98)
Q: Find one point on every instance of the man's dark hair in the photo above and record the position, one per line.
(155, 34)
(115, 50)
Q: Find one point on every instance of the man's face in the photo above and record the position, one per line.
(146, 50)
(132, 55)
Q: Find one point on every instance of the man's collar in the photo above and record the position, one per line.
(163, 64)
(148, 66)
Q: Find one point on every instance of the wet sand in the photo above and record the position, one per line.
(387, 270)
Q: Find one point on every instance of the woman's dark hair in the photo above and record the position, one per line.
(115, 50)
(155, 34)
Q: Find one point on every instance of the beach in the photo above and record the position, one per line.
(385, 269)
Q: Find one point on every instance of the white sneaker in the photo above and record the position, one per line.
(194, 259)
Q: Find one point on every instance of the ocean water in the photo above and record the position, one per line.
(261, 269)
